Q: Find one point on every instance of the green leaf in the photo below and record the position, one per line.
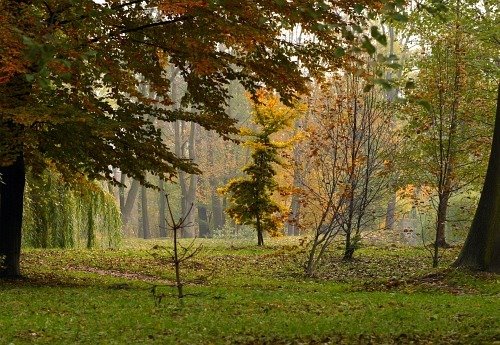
(65, 62)
(357, 28)
(379, 37)
(368, 46)
(424, 104)
(386, 84)
(358, 8)
(339, 52)
(347, 34)
(44, 83)
(66, 76)
(90, 53)
(394, 65)
(30, 77)
(399, 17)
(410, 84)
(368, 87)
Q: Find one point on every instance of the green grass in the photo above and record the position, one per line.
(242, 294)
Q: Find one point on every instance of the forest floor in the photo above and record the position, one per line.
(238, 293)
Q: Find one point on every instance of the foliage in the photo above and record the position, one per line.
(350, 152)
(83, 85)
(83, 69)
(66, 216)
(250, 197)
(447, 127)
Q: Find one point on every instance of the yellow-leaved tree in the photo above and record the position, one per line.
(251, 196)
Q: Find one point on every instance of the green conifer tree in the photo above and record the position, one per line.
(250, 197)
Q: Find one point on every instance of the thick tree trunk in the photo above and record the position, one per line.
(260, 238)
(481, 250)
(12, 182)
(13, 94)
(129, 203)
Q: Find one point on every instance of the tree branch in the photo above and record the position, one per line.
(143, 27)
(151, 25)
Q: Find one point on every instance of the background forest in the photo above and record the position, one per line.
(250, 172)
(394, 144)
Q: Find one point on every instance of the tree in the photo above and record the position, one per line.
(56, 55)
(350, 145)
(57, 214)
(251, 197)
(481, 250)
(447, 127)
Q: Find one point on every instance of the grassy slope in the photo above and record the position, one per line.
(387, 295)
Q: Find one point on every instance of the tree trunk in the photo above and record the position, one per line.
(162, 207)
(441, 220)
(223, 210)
(217, 210)
(129, 203)
(292, 222)
(481, 250)
(390, 216)
(14, 93)
(121, 193)
(311, 259)
(440, 240)
(178, 149)
(260, 236)
(11, 216)
(349, 248)
(145, 214)
(189, 230)
(203, 227)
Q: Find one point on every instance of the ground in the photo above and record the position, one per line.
(240, 294)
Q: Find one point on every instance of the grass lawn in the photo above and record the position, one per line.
(241, 294)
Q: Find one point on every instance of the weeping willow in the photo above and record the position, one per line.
(57, 215)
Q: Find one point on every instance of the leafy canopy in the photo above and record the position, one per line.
(84, 83)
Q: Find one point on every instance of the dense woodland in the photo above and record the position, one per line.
(317, 130)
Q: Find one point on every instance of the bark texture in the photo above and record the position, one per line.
(481, 250)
